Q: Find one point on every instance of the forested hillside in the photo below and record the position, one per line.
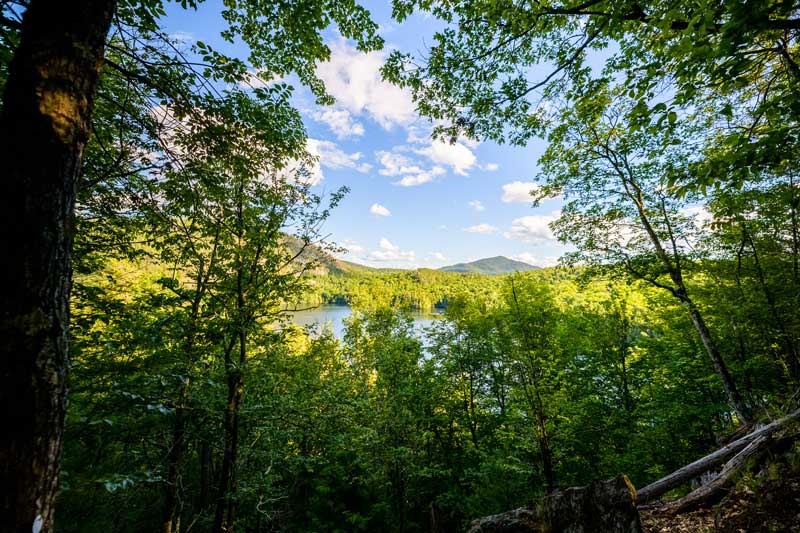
(490, 265)
(162, 212)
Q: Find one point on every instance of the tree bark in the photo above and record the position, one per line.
(44, 124)
(231, 425)
(176, 454)
(672, 264)
(227, 485)
(681, 476)
(741, 407)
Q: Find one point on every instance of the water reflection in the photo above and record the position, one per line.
(333, 316)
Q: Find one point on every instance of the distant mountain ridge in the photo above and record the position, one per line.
(327, 264)
(491, 265)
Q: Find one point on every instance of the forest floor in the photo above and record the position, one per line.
(768, 501)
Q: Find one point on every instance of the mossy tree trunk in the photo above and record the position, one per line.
(44, 124)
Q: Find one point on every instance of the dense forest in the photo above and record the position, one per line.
(158, 221)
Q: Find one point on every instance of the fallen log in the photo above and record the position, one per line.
(713, 460)
(712, 492)
(602, 506)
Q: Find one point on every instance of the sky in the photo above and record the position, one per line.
(413, 202)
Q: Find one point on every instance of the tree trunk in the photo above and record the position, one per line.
(681, 476)
(205, 474)
(176, 455)
(603, 506)
(741, 407)
(535, 400)
(227, 486)
(44, 124)
(672, 264)
(231, 424)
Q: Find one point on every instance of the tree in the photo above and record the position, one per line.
(533, 323)
(497, 68)
(618, 209)
(45, 124)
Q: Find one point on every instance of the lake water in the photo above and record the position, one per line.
(333, 316)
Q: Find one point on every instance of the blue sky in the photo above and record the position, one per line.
(414, 202)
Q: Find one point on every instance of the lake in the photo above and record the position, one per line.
(334, 315)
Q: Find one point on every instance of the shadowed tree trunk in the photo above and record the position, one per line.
(600, 507)
(47, 106)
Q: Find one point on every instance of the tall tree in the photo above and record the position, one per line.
(619, 211)
(45, 124)
(497, 66)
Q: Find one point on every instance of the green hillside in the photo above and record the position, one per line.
(491, 265)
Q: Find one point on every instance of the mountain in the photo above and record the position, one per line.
(491, 265)
(327, 264)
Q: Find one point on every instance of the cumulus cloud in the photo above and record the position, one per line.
(457, 156)
(477, 205)
(536, 260)
(350, 247)
(699, 215)
(340, 121)
(396, 164)
(518, 192)
(532, 228)
(254, 80)
(481, 228)
(379, 210)
(353, 78)
(390, 252)
(491, 167)
(420, 177)
(331, 156)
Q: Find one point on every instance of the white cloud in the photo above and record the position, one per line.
(351, 247)
(420, 177)
(340, 121)
(331, 156)
(438, 256)
(699, 215)
(390, 252)
(397, 164)
(532, 228)
(518, 192)
(536, 260)
(353, 78)
(457, 156)
(379, 210)
(256, 81)
(491, 167)
(417, 134)
(477, 205)
(481, 228)
(182, 37)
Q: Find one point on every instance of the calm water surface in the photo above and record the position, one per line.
(332, 316)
